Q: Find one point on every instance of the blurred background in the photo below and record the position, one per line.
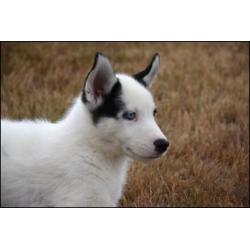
(202, 94)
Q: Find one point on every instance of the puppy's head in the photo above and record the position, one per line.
(122, 109)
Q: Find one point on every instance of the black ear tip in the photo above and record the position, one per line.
(98, 54)
(156, 55)
(97, 57)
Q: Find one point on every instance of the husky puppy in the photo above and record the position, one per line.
(82, 160)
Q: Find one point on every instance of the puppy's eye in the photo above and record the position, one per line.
(129, 115)
(155, 111)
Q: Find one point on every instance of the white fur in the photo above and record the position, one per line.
(72, 162)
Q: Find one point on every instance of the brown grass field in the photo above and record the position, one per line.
(202, 93)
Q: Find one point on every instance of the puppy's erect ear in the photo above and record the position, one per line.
(147, 76)
(99, 81)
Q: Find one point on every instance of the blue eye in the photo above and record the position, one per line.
(129, 115)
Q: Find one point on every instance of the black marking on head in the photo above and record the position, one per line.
(111, 106)
(139, 76)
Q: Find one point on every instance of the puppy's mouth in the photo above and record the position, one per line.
(135, 156)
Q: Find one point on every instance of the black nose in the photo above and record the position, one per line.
(161, 145)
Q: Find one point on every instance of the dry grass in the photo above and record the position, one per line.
(202, 93)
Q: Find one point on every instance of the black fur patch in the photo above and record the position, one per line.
(111, 106)
(139, 77)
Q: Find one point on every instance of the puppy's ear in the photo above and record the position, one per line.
(147, 76)
(99, 81)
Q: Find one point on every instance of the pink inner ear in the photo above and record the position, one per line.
(99, 92)
(100, 82)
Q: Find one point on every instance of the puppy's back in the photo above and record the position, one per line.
(21, 138)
